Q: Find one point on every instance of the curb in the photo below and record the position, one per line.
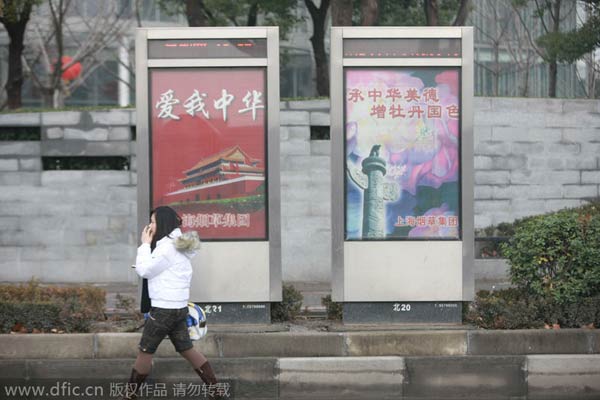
(572, 376)
(311, 344)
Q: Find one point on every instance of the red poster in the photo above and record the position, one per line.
(208, 141)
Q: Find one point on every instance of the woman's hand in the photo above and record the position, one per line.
(147, 234)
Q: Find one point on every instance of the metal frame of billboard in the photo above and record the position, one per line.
(388, 271)
(226, 271)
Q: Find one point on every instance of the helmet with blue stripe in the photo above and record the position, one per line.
(196, 322)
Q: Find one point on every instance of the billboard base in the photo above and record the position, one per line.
(237, 313)
(403, 312)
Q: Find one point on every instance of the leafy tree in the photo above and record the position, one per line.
(423, 12)
(15, 16)
(571, 46)
(235, 12)
(433, 13)
(550, 14)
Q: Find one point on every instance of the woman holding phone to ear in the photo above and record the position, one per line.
(163, 259)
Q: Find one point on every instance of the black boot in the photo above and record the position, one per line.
(133, 386)
(207, 375)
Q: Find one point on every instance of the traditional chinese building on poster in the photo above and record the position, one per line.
(208, 147)
(230, 173)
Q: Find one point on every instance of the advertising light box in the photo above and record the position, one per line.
(402, 219)
(207, 137)
(208, 149)
(402, 141)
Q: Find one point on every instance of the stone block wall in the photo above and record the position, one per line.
(534, 156)
(531, 156)
(67, 225)
(305, 193)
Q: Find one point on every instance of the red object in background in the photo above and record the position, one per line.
(73, 71)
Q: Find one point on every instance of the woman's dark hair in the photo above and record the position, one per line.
(166, 220)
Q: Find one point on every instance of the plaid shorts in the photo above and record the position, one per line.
(162, 322)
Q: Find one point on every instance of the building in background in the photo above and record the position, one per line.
(506, 64)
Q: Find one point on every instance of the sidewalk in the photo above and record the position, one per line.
(400, 364)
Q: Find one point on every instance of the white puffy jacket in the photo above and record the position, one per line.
(168, 268)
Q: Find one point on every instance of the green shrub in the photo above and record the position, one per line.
(290, 305)
(555, 256)
(78, 306)
(505, 309)
(335, 310)
(515, 309)
(41, 316)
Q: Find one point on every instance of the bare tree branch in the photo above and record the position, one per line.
(90, 35)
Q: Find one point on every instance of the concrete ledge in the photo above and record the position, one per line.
(76, 345)
(312, 344)
(413, 343)
(282, 345)
(465, 377)
(532, 341)
(320, 104)
(115, 369)
(118, 345)
(13, 369)
(20, 119)
(572, 376)
(60, 118)
(20, 148)
(341, 377)
(67, 178)
(594, 341)
(250, 378)
(294, 117)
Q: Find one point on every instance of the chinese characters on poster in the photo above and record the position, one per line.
(208, 138)
(402, 130)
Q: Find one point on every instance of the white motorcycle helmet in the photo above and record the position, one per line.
(196, 322)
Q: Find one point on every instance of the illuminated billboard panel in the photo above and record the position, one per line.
(208, 141)
(402, 157)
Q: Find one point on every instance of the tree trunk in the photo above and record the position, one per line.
(462, 14)
(47, 97)
(525, 85)
(431, 12)
(194, 11)
(16, 32)
(14, 81)
(496, 68)
(252, 14)
(58, 98)
(369, 12)
(552, 75)
(553, 65)
(317, 40)
(341, 12)
(591, 75)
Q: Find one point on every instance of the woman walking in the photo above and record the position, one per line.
(163, 259)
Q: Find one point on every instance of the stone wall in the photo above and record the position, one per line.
(305, 193)
(531, 156)
(67, 226)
